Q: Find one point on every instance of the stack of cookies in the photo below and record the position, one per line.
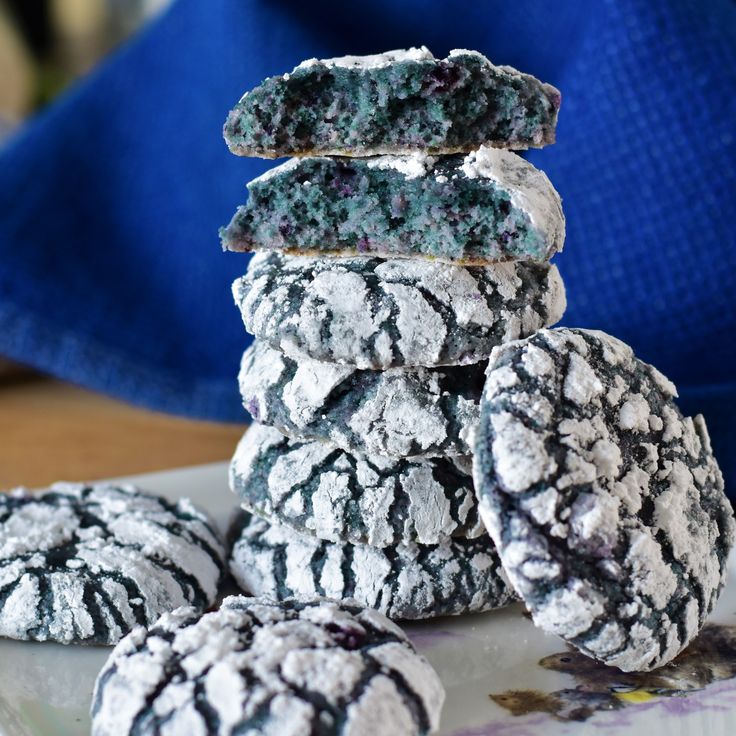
(401, 297)
(399, 247)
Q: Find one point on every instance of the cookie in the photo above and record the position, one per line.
(317, 488)
(377, 314)
(399, 412)
(486, 207)
(606, 504)
(406, 581)
(259, 667)
(84, 564)
(396, 102)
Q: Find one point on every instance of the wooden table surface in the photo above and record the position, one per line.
(55, 431)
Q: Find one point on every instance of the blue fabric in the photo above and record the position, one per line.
(110, 269)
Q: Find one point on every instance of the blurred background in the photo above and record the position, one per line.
(50, 429)
(114, 180)
(46, 44)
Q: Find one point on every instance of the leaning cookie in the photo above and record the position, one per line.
(259, 667)
(377, 314)
(406, 581)
(317, 488)
(396, 102)
(400, 412)
(606, 504)
(85, 564)
(486, 207)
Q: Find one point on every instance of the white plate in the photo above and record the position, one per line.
(45, 689)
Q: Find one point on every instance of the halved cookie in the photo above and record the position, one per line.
(486, 207)
(396, 102)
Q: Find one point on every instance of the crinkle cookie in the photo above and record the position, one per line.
(395, 102)
(377, 314)
(84, 564)
(317, 488)
(488, 206)
(257, 667)
(399, 412)
(605, 503)
(406, 581)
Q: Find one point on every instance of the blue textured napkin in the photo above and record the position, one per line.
(110, 268)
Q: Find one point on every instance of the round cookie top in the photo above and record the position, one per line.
(85, 564)
(605, 503)
(255, 666)
(400, 412)
(376, 314)
(319, 489)
(404, 581)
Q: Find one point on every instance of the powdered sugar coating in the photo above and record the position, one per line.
(606, 504)
(412, 166)
(372, 61)
(87, 563)
(405, 581)
(529, 189)
(398, 412)
(259, 667)
(316, 488)
(375, 314)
